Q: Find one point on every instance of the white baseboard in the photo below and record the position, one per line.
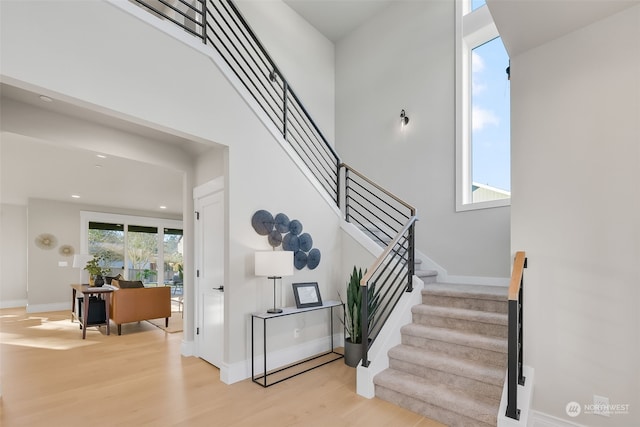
(540, 419)
(56, 306)
(187, 348)
(13, 303)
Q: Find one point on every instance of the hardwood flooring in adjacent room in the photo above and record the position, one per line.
(51, 377)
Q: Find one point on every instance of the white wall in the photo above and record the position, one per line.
(146, 76)
(576, 212)
(404, 59)
(13, 258)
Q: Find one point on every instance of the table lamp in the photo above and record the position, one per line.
(274, 265)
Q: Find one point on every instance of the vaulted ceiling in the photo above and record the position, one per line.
(32, 168)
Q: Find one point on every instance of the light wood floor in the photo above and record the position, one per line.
(51, 377)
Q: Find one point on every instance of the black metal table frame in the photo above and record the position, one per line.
(288, 312)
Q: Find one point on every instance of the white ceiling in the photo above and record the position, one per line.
(525, 24)
(33, 168)
(337, 18)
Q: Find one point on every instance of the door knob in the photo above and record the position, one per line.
(220, 288)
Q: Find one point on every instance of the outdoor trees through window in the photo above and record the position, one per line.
(151, 252)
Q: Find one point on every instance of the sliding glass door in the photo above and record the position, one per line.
(138, 248)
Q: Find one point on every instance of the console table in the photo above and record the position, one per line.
(289, 311)
(87, 291)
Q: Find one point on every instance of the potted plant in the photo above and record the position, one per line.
(352, 321)
(96, 271)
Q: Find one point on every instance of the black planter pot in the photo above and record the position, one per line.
(352, 353)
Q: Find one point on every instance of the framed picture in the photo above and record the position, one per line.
(307, 294)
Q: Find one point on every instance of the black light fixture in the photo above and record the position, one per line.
(404, 119)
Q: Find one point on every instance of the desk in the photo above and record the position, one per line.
(87, 291)
(289, 311)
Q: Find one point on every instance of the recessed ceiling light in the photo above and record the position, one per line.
(98, 166)
(102, 156)
(75, 196)
(45, 98)
(163, 207)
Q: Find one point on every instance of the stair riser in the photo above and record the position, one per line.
(470, 386)
(443, 415)
(478, 355)
(488, 329)
(428, 279)
(488, 305)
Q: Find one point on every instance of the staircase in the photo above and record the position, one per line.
(452, 361)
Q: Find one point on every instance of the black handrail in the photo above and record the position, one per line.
(515, 340)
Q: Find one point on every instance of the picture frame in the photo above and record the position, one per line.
(307, 294)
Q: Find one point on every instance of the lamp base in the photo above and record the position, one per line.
(274, 310)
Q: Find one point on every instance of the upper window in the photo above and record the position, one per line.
(477, 3)
(483, 120)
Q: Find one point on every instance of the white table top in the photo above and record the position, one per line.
(293, 310)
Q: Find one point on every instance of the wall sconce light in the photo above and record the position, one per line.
(404, 119)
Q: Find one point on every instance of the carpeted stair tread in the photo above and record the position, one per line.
(462, 314)
(461, 367)
(439, 395)
(496, 344)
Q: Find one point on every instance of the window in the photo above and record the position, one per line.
(477, 3)
(142, 253)
(135, 246)
(107, 241)
(483, 176)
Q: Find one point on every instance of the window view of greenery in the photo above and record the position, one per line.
(142, 253)
(173, 257)
(107, 241)
(137, 248)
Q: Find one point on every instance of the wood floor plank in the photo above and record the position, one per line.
(50, 376)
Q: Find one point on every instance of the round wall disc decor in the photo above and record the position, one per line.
(46, 241)
(280, 230)
(66, 250)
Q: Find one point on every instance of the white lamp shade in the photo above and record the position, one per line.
(274, 263)
(81, 260)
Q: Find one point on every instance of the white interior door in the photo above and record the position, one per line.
(210, 277)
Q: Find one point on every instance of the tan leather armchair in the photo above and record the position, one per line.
(136, 304)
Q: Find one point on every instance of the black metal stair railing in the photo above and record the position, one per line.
(390, 222)
(229, 33)
(382, 216)
(515, 362)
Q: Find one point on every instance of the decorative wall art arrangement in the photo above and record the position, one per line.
(288, 233)
(48, 241)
